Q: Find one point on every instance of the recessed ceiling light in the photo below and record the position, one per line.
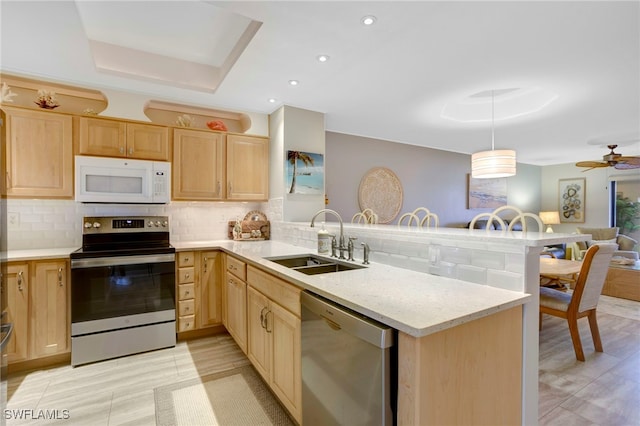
(294, 82)
(272, 100)
(322, 58)
(368, 20)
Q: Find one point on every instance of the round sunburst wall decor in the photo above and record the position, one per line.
(381, 191)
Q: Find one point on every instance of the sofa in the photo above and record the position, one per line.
(627, 246)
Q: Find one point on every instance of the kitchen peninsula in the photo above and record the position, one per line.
(484, 322)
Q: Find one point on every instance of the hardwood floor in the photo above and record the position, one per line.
(604, 390)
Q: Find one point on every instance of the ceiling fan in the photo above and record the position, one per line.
(612, 159)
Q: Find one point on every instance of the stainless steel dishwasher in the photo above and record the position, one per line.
(349, 365)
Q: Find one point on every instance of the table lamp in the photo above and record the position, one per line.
(550, 218)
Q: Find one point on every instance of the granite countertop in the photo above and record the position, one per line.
(416, 303)
(413, 302)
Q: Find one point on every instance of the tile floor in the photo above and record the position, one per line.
(604, 390)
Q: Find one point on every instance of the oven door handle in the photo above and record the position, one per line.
(97, 262)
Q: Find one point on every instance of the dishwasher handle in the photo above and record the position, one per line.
(344, 319)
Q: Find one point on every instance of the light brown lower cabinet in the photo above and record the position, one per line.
(235, 297)
(199, 290)
(274, 333)
(38, 306)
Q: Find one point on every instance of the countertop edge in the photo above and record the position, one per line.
(509, 300)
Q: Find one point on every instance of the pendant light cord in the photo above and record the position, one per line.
(492, 121)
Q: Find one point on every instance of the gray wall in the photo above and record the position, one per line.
(430, 178)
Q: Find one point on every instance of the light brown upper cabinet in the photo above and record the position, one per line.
(214, 166)
(198, 165)
(247, 168)
(116, 138)
(39, 153)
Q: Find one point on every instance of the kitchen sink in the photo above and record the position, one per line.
(312, 265)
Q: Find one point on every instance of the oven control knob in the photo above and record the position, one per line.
(88, 225)
(96, 224)
(150, 223)
(165, 223)
(158, 223)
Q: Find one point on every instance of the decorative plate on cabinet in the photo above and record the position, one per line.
(255, 215)
(381, 191)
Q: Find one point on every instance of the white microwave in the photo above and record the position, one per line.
(120, 180)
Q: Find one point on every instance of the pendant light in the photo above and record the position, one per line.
(494, 163)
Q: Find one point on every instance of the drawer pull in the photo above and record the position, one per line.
(60, 277)
(20, 278)
(186, 275)
(186, 293)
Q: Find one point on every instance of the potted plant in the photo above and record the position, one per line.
(627, 215)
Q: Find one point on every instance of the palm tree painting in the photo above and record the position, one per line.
(305, 172)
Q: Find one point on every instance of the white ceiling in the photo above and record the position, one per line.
(390, 81)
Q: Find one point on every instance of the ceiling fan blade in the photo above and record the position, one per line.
(592, 164)
(629, 160)
(627, 166)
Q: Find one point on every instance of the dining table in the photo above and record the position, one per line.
(559, 271)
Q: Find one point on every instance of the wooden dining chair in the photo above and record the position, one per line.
(584, 299)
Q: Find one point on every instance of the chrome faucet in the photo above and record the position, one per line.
(342, 247)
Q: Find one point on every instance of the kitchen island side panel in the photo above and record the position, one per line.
(469, 374)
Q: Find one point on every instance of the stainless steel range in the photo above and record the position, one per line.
(122, 288)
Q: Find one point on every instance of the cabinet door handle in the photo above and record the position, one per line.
(263, 318)
(205, 264)
(8, 181)
(229, 190)
(131, 151)
(219, 189)
(121, 150)
(60, 276)
(20, 281)
(266, 322)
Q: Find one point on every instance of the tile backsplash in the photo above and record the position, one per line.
(477, 260)
(37, 224)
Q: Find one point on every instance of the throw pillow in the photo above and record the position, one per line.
(626, 243)
(596, 242)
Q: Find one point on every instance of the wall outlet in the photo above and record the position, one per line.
(13, 219)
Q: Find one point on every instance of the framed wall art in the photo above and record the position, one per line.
(305, 173)
(487, 193)
(571, 200)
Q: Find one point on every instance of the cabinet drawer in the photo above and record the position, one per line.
(185, 275)
(186, 307)
(237, 268)
(186, 291)
(281, 292)
(186, 323)
(185, 258)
